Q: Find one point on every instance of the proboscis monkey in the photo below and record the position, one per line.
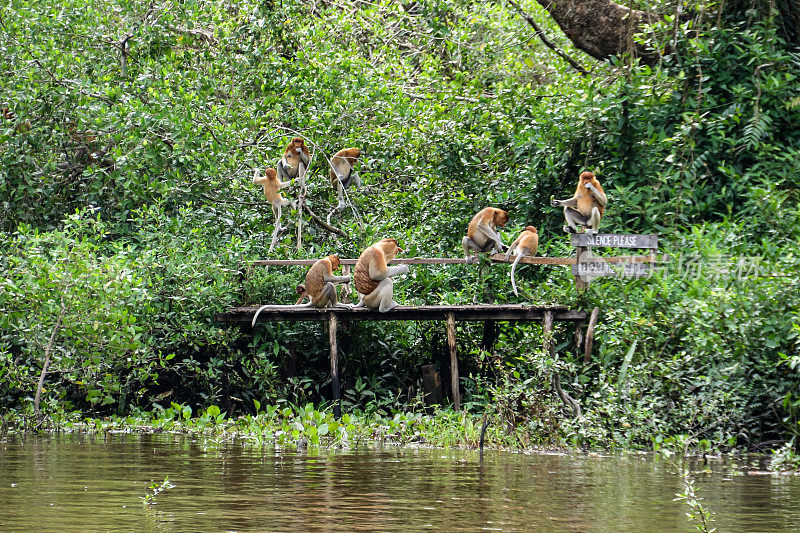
(526, 244)
(482, 237)
(295, 155)
(586, 207)
(343, 173)
(272, 187)
(320, 283)
(319, 287)
(373, 279)
(302, 294)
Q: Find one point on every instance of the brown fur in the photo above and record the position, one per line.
(315, 278)
(291, 156)
(585, 199)
(343, 160)
(491, 215)
(302, 293)
(379, 254)
(271, 184)
(528, 239)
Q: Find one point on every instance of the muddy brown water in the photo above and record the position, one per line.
(97, 483)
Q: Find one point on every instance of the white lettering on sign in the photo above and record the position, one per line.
(612, 240)
(619, 241)
(601, 268)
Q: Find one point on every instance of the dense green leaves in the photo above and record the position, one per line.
(126, 160)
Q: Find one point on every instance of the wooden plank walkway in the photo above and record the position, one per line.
(495, 258)
(464, 313)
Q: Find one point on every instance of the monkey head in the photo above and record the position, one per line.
(300, 289)
(298, 143)
(531, 229)
(586, 177)
(390, 248)
(501, 218)
(334, 259)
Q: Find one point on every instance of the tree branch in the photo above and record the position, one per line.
(47, 351)
(322, 223)
(539, 32)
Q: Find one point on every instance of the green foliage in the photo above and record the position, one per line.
(128, 210)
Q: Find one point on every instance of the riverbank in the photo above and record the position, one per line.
(306, 427)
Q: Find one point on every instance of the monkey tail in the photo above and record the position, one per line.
(255, 317)
(513, 268)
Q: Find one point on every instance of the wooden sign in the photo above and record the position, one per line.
(596, 269)
(613, 240)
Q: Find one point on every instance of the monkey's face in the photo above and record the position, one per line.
(586, 178)
(501, 218)
(301, 289)
(297, 143)
(334, 259)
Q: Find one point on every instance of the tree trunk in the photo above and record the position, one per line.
(601, 28)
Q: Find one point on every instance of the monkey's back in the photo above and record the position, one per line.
(271, 185)
(365, 284)
(472, 230)
(314, 280)
(348, 156)
(530, 242)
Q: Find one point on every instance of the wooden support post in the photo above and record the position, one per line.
(337, 400)
(451, 341)
(346, 290)
(587, 351)
(547, 332)
(578, 336)
(242, 279)
(580, 284)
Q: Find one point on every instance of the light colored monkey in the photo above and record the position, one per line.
(373, 279)
(295, 156)
(482, 235)
(319, 287)
(526, 244)
(586, 207)
(343, 173)
(272, 187)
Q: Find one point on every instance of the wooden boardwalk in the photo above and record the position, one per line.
(488, 313)
(463, 313)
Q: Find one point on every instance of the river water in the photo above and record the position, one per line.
(98, 483)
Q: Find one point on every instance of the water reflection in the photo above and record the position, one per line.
(80, 483)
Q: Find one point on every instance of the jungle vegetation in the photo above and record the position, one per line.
(127, 146)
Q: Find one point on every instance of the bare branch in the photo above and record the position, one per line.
(539, 32)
